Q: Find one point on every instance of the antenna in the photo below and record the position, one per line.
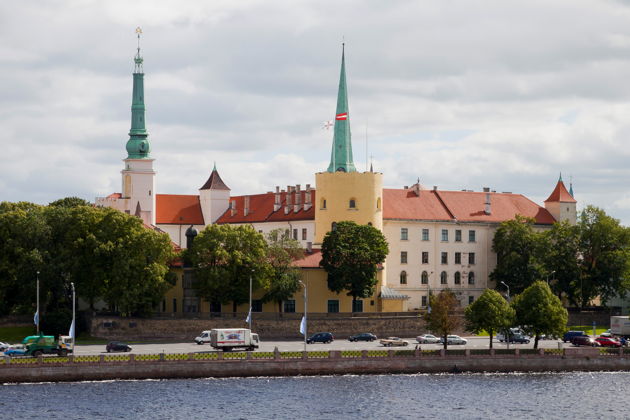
(366, 145)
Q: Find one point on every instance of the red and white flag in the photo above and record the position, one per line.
(342, 116)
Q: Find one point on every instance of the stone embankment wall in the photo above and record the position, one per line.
(113, 328)
(309, 363)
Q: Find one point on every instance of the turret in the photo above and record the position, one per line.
(214, 197)
(561, 203)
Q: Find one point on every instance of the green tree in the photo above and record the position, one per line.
(350, 255)
(282, 251)
(605, 252)
(539, 311)
(517, 246)
(490, 312)
(70, 202)
(441, 318)
(559, 254)
(224, 257)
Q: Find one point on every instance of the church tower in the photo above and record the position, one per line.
(342, 192)
(138, 176)
(214, 197)
(561, 203)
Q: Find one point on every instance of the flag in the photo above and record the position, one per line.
(303, 326)
(342, 116)
(327, 125)
(71, 332)
(249, 316)
(36, 318)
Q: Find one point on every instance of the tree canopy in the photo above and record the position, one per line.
(350, 255)
(490, 312)
(441, 319)
(282, 251)
(539, 311)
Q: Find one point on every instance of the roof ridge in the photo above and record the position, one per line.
(436, 192)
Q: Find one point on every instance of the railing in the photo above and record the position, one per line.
(307, 355)
(276, 316)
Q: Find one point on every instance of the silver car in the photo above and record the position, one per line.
(427, 339)
(455, 340)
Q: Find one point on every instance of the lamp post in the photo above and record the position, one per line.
(249, 317)
(508, 332)
(74, 310)
(305, 310)
(549, 274)
(37, 313)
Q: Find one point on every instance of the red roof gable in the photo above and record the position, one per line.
(261, 209)
(560, 194)
(465, 206)
(178, 209)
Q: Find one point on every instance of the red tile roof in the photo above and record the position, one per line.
(261, 209)
(560, 194)
(178, 209)
(114, 195)
(466, 206)
(310, 260)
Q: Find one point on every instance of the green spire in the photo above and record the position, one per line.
(341, 156)
(138, 146)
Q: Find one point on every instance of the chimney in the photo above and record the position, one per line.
(435, 188)
(246, 206)
(298, 199)
(416, 188)
(287, 205)
(406, 187)
(307, 198)
(487, 210)
(277, 200)
(233, 208)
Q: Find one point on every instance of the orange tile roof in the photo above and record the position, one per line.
(178, 209)
(310, 260)
(261, 209)
(560, 194)
(114, 195)
(466, 206)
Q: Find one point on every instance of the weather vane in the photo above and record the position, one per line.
(138, 59)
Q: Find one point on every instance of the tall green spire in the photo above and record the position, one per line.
(138, 146)
(341, 156)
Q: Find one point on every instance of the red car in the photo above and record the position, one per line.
(608, 342)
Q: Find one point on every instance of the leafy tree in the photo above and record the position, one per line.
(224, 257)
(539, 311)
(282, 250)
(350, 256)
(517, 246)
(441, 318)
(490, 312)
(69, 202)
(559, 254)
(605, 251)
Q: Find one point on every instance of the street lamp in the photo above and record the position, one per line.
(508, 290)
(507, 333)
(305, 332)
(73, 326)
(549, 274)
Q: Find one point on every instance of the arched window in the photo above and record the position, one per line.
(424, 278)
(471, 278)
(443, 277)
(403, 277)
(333, 226)
(378, 203)
(458, 277)
(323, 203)
(352, 204)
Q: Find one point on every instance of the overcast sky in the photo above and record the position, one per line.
(461, 94)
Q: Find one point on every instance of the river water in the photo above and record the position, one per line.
(448, 396)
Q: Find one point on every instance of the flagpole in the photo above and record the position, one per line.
(250, 302)
(74, 326)
(37, 303)
(305, 310)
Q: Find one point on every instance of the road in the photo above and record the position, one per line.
(191, 347)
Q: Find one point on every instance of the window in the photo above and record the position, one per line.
(357, 305)
(443, 277)
(403, 277)
(352, 203)
(425, 257)
(190, 304)
(471, 299)
(458, 258)
(471, 236)
(444, 257)
(425, 278)
(458, 235)
(471, 258)
(404, 234)
(471, 278)
(378, 203)
(403, 257)
(174, 304)
(333, 306)
(425, 234)
(257, 305)
(323, 203)
(289, 306)
(458, 277)
(295, 234)
(164, 305)
(215, 307)
(303, 234)
(444, 235)
(424, 301)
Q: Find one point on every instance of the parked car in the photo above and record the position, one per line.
(15, 350)
(393, 341)
(608, 342)
(570, 334)
(454, 340)
(584, 340)
(362, 337)
(117, 346)
(427, 339)
(518, 338)
(322, 337)
(4, 346)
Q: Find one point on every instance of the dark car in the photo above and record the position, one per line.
(570, 334)
(518, 338)
(584, 340)
(322, 337)
(117, 346)
(362, 337)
